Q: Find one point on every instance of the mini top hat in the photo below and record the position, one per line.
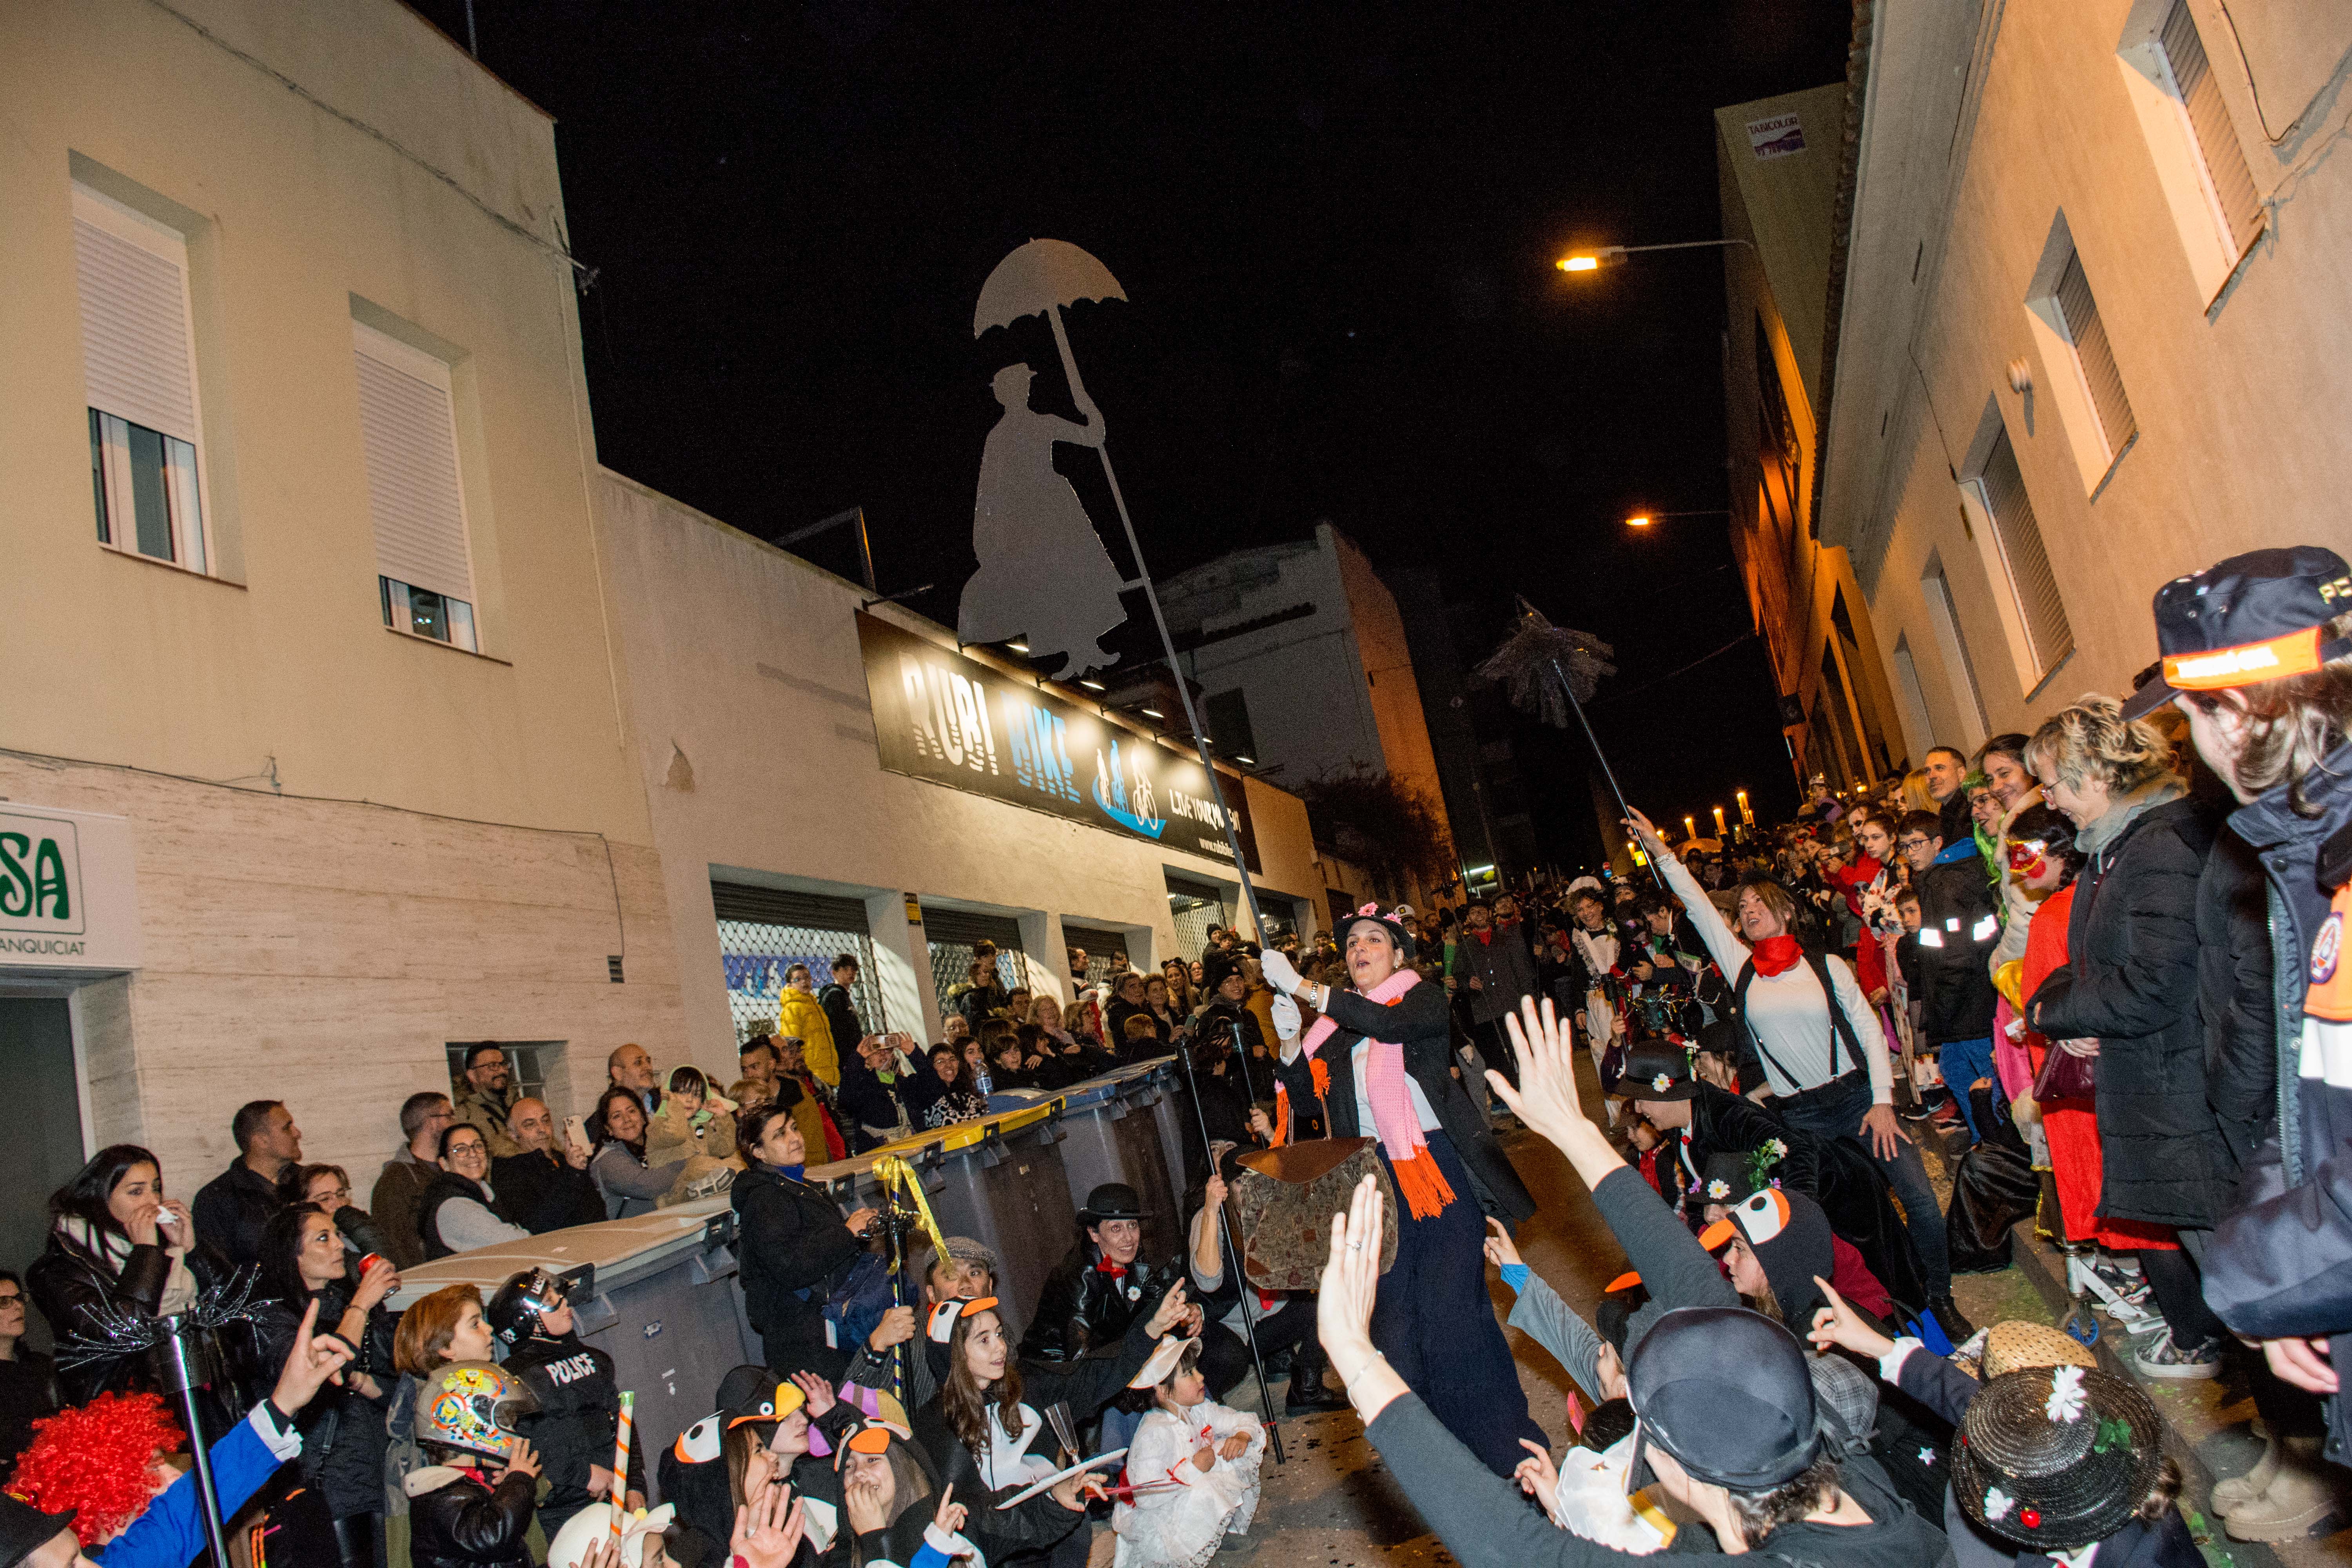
(2054, 1459)
(1390, 924)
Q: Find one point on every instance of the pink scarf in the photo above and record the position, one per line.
(1419, 1181)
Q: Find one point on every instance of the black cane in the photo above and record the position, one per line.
(183, 1377)
(1601, 757)
(1233, 1258)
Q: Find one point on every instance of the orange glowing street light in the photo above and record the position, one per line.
(1643, 518)
(1611, 255)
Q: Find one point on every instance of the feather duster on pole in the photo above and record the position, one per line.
(1551, 672)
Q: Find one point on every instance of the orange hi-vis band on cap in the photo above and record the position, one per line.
(2296, 653)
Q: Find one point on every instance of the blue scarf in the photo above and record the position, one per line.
(790, 1173)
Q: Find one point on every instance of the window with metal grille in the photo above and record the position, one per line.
(2228, 183)
(408, 432)
(1106, 951)
(763, 931)
(139, 360)
(536, 1064)
(955, 936)
(2079, 314)
(2031, 581)
(1194, 907)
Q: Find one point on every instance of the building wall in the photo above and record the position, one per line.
(326, 159)
(1775, 285)
(759, 753)
(1386, 660)
(1975, 145)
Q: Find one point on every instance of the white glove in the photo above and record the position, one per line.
(1286, 1017)
(1278, 973)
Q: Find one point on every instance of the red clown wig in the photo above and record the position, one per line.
(96, 1460)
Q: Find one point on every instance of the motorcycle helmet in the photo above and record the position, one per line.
(515, 1312)
(473, 1407)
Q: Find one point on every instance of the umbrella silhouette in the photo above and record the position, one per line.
(1038, 572)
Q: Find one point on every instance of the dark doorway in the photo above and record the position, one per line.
(37, 1063)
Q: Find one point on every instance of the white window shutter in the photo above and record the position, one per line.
(134, 328)
(410, 438)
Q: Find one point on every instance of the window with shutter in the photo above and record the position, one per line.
(2228, 183)
(408, 432)
(139, 373)
(2096, 355)
(2031, 581)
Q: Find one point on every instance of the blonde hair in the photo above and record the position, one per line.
(1775, 897)
(2093, 740)
(2292, 725)
(1915, 791)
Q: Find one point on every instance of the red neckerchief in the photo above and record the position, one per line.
(1485, 937)
(1776, 953)
(1116, 1271)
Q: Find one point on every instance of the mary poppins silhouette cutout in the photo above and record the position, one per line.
(1043, 573)
(1043, 569)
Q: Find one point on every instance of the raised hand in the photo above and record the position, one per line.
(768, 1528)
(315, 1359)
(952, 1513)
(1546, 1097)
(1538, 1478)
(524, 1461)
(1839, 1324)
(1646, 835)
(1501, 1251)
(897, 1327)
(1279, 973)
(821, 1397)
(1172, 1310)
(1284, 1010)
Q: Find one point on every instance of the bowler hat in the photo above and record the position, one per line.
(1112, 1200)
(1655, 1069)
(2054, 1459)
(1726, 1393)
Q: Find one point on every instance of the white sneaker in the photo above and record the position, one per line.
(2167, 1359)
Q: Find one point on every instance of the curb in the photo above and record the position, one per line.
(2045, 1269)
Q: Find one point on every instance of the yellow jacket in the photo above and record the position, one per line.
(799, 1015)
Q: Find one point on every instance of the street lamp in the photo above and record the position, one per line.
(1643, 518)
(1612, 255)
(1720, 830)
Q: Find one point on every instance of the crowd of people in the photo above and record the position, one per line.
(2105, 950)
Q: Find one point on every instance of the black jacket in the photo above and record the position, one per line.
(1419, 1022)
(1232, 1028)
(1959, 925)
(863, 1101)
(232, 1209)
(1115, 1017)
(544, 1192)
(2234, 976)
(1502, 966)
(70, 1287)
(2131, 981)
(447, 1185)
(789, 1238)
(467, 1524)
(1085, 1385)
(28, 1391)
(579, 1412)
(1083, 1309)
(841, 1014)
(343, 1437)
(1836, 1173)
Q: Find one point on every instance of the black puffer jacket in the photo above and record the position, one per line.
(2131, 983)
(2234, 1000)
(791, 1240)
(456, 1520)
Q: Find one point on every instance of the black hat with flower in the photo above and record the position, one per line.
(1655, 1069)
(2055, 1458)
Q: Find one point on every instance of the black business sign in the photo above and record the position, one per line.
(949, 719)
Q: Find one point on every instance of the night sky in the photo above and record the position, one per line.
(1336, 228)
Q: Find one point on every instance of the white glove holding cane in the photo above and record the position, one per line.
(1286, 1017)
(1278, 973)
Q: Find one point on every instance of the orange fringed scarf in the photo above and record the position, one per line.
(1419, 1184)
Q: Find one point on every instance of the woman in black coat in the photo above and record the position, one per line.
(1433, 1320)
(117, 1243)
(2131, 983)
(792, 1241)
(343, 1439)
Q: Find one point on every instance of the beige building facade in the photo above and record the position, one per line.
(2092, 333)
(771, 704)
(312, 684)
(1779, 163)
